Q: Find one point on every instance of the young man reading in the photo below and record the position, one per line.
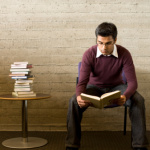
(100, 72)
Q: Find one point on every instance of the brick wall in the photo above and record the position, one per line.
(52, 35)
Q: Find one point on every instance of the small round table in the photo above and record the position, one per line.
(24, 141)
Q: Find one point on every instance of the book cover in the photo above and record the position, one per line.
(22, 84)
(22, 89)
(22, 77)
(20, 70)
(12, 75)
(21, 62)
(24, 81)
(103, 101)
(23, 95)
(19, 77)
(25, 92)
(20, 66)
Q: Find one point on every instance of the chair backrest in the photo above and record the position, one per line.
(123, 74)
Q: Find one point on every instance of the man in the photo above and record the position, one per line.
(100, 72)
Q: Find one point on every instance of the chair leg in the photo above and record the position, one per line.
(77, 80)
(125, 119)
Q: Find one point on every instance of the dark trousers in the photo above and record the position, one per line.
(136, 113)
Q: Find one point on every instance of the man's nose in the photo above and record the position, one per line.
(104, 46)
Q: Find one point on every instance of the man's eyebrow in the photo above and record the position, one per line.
(100, 42)
(106, 42)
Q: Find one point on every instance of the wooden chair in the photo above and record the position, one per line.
(125, 109)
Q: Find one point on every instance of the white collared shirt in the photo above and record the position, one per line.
(114, 53)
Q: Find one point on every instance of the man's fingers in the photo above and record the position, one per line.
(119, 101)
(83, 103)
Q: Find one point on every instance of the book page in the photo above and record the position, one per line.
(90, 96)
(108, 94)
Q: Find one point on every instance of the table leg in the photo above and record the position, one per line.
(24, 141)
(24, 121)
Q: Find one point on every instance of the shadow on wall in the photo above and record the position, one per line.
(143, 78)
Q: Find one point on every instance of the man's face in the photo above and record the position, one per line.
(105, 44)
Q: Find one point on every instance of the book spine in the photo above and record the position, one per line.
(20, 62)
(21, 72)
(19, 77)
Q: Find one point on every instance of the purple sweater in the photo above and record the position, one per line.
(105, 71)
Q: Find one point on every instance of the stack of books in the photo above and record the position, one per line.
(21, 72)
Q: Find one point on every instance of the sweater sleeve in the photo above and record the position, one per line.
(130, 74)
(85, 71)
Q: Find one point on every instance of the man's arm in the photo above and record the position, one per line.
(130, 74)
(85, 71)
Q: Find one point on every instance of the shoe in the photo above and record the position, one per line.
(71, 148)
(140, 148)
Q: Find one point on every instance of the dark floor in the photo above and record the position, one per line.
(93, 140)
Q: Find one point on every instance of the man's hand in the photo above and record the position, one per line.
(83, 103)
(120, 101)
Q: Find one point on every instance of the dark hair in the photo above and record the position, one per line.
(106, 29)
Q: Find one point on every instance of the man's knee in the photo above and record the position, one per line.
(138, 99)
(73, 100)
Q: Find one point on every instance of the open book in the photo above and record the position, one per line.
(103, 101)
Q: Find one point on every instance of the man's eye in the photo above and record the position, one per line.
(108, 43)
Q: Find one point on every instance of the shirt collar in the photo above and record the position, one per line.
(114, 53)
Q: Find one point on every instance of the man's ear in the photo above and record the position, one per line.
(96, 40)
(115, 40)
